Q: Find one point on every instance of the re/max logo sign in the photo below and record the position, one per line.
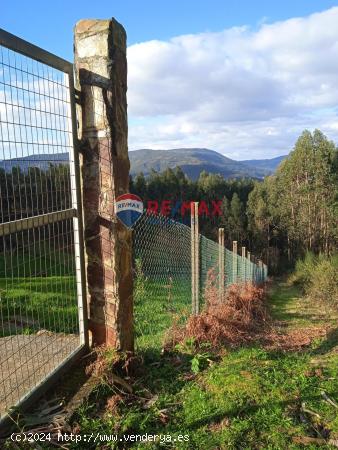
(173, 208)
(130, 205)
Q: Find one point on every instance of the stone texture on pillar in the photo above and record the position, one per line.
(101, 75)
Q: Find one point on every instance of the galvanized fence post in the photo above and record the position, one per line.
(234, 261)
(243, 265)
(77, 220)
(260, 264)
(221, 277)
(194, 259)
(248, 262)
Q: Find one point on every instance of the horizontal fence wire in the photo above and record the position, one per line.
(39, 325)
(162, 276)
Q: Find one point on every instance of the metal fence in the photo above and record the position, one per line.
(42, 313)
(237, 269)
(163, 291)
(162, 287)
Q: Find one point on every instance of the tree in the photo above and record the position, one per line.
(307, 189)
(140, 185)
(297, 207)
(262, 226)
(237, 220)
(225, 219)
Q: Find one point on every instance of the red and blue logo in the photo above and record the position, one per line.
(129, 208)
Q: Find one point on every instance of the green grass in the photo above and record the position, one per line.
(249, 398)
(39, 302)
(289, 306)
(157, 305)
(36, 260)
(38, 292)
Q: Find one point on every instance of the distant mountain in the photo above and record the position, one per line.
(194, 160)
(270, 165)
(191, 160)
(42, 161)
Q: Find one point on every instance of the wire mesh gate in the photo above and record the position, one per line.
(42, 312)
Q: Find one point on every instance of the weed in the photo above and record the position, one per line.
(200, 362)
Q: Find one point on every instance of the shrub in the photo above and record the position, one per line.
(323, 285)
(303, 270)
(318, 276)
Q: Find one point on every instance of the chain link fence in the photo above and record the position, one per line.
(162, 286)
(163, 275)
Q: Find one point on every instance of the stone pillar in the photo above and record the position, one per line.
(101, 76)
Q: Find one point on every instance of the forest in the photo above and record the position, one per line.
(280, 218)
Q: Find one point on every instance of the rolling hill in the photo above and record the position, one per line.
(40, 160)
(269, 165)
(194, 160)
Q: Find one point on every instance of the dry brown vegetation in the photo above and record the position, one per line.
(233, 319)
(240, 317)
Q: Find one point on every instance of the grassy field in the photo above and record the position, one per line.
(292, 309)
(28, 305)
(245, 398)
(37, 293)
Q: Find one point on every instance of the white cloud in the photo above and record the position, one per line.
(242, 92)
(33, 115)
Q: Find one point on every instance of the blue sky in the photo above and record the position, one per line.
(240, 77)
(49, 24)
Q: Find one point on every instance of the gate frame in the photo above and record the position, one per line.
(29, 50)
